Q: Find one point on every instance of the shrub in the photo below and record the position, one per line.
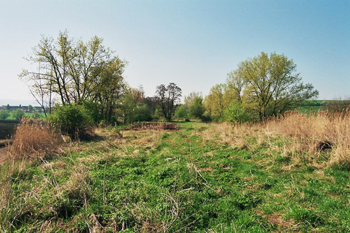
(33, 138)
(236, 113)
(181, 112)
(17, 114)
(72, 120)
(142, 113)
(197, 109)
(4, 114)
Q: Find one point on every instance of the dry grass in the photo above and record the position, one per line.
(303, 137)
(33, 138)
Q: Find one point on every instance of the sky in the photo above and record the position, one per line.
(193, 43)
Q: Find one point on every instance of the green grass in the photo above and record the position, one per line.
(175, 182)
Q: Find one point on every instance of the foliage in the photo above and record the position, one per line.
(200, 178)
(197, 109)
(181, 111)
(236, 113)
(142, 113)
(265, 85)
(271, 84)
(188, 99)
(167, 98)
(72, 120)
(75, 71)
(4, 114)
(17, 114)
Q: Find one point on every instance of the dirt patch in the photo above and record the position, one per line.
(154, 126)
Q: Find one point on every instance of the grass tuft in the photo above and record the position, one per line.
(33, 138)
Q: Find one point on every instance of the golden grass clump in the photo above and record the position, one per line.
(34, 138)
(300, 135)
(315, 133)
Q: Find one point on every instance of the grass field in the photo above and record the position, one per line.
(31, 115)
(200, 178)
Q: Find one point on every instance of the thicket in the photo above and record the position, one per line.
(73, 120)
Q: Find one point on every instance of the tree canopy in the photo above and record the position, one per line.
(264, 85)
(168, 97)
(75, 71)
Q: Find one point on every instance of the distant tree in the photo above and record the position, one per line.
(168, 97)
(4, 114)
(30, 108)
(236, 113)
(17, 114)
(188, 99)
(196, 108)
(75, 72)
(271, 84)
(181, 111)
(8, 107)
(214, 102)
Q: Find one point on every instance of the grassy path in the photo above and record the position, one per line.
(177, 181)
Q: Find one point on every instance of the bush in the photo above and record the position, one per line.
(181, 112)
(197, 109)
(236, 113)
(17, 114)
(142, 113)
(72, 120)
(4, 114)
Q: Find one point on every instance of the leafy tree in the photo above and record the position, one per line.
(188, 99)
(17, 114)
(75, 71)
(181, 111)
(167, 97)
(236, 113)
(142, 113)
(214, 102)
(30, 108)
(4, 114)
(271, 84)
(196, 108)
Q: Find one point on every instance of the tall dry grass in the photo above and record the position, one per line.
(34, 138)
(316, 133)
(302, 136)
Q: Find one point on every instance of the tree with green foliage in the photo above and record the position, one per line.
(197, 109)
(271, 84)
(168, 97)
(74, 72)
(216, 102)
(17, 114)
(30, 108)
(236, 113)
(4, 114)
(181, 111)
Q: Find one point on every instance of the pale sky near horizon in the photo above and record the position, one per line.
(193, 43)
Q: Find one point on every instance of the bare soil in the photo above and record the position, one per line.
(154, 126)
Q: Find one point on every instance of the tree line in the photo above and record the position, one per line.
(88, 76)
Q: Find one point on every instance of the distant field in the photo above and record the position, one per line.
(42, 116)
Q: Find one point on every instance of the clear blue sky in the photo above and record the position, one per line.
(193, 43)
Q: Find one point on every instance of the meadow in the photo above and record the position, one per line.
(288, 174)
